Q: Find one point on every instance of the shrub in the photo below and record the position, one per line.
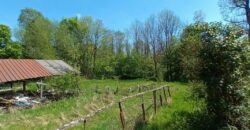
(225, 65)
(65, 85)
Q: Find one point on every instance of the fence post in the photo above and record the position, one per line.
(169, 92)
(161, 100)
(154, 99)
(143, 110)
(122, 115)
(165, 95)
(84, 125)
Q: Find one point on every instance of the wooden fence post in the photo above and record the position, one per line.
(165, 95)
(161, 100)
(122, 116)
(169, 92)
(154, 99)
(84, 125)
(143, 110)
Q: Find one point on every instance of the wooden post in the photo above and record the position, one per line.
(84, 125)
(169, 92)
(96, 89)
(154, 99)
(24, 86)
(122, 116)
(161, 100)
(11, 85)
(143, 110)
(41, 91)
(165, 95)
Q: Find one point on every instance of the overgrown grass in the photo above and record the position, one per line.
(183, 113)
(55, 114)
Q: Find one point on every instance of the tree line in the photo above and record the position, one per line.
(159, 48)
(95, 50)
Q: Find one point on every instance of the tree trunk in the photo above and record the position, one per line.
(94, 60)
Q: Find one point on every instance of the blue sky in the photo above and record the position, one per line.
(115, 14)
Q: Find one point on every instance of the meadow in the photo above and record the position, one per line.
(95, 94)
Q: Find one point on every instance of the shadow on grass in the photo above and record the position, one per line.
(181, 121)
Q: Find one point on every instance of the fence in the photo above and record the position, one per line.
(133, 110)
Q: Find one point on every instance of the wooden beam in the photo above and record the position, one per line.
(24, 86)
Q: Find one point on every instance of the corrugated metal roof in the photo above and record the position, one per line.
(21, 69)
(56, 67)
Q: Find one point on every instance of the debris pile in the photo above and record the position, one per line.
(24, 101)
(20, 101)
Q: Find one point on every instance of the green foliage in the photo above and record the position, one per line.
(5, 35)
(69, 41)
(37, 35)
(11, 50)
(8, 49)
(183, 114)
(171, 63)
(65, 85)
(135, 66)
(28, 16)
(190, 48)
(225, 64)
(198, 90)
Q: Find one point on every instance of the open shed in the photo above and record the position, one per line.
(21, 70)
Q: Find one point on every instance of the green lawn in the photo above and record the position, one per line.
(55, 114)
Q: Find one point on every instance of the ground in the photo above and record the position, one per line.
(96, 93)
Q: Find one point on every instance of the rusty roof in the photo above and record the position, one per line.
(21, 69)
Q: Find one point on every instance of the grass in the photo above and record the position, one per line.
(53, 115)
(184, 113)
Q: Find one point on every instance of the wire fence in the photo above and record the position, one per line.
(129, 112)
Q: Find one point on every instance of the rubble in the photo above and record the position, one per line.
(20, 101)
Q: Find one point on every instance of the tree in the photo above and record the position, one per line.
(172, 59)
(237, 12)
(118, 39)
(169, 24)
(190, 48)
(151, 33)
(199, 16)
(225, 65)
(136, 31)
(27, 16)
(97, 29)
(67, 47)
(37, 41)
(8, 48)
(5, 35)
(73, 44)
(11, 50)
(36, 35)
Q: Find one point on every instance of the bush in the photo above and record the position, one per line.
(225, 66)
(198, 90)
(65, 85)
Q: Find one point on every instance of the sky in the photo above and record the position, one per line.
(115, 14)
